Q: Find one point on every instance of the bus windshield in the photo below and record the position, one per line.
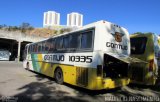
(138, 45)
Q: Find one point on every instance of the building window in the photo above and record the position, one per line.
(46, 17)
(75, 23)
(79, 20)
(69, 19)
(50, 18)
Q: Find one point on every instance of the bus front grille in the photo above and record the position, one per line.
(82, 76)
(137, 73)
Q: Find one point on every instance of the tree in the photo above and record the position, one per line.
(63, 30)
(1, 26)
(25, 26)
(143, 33)
(15, 28)
(9, 28)
(138, 33)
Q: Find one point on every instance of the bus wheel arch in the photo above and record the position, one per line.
(58, 75)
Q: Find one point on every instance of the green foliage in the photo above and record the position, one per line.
(138, 33)
(3, 26)
(23, 27)
(143, 33)
(63, 30)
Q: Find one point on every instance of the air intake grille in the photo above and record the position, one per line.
(137, 73)
(82, 76)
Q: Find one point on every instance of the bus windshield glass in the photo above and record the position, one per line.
(138, 45)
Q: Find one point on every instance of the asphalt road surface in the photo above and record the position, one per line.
(20, 85)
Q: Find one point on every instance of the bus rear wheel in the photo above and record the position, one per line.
(58, 75)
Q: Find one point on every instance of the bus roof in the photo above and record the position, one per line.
(88, 26)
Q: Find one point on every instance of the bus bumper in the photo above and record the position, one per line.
(109, 83)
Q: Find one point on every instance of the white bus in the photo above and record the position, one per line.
(94, 57)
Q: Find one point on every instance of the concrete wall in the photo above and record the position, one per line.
(16, 38)
(16, 35)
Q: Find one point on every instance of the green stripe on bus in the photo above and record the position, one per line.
(35, 64)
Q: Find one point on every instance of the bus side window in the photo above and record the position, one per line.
(39, 47)
(33, 48)
(46, 46)
(36, 48)
(43, 46)
(52, 45)
(74, 41)
(66, 42)
(59, 42)
(29, 48)
(86, 40)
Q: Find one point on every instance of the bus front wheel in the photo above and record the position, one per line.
(58, 75)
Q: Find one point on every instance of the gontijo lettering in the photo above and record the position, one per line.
(117, 46)
(54, 57)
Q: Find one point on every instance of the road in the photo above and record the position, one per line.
(18, 84)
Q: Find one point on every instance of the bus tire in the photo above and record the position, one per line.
(58, 75)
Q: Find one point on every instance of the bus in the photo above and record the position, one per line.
(147, 48)
(4, 55)
(95, 56)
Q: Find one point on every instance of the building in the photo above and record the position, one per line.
(74, 19)
(51, 18)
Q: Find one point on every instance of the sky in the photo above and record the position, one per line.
(134, 15)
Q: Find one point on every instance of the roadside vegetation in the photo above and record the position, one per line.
(26, 28)
(143, 33)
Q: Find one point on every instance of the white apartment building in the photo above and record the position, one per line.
(51, 18)
(74, 19)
